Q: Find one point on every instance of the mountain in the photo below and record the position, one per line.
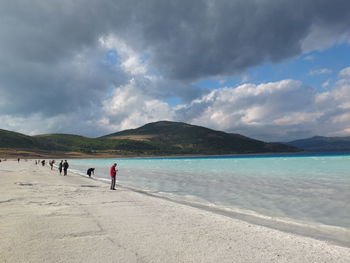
(15, 140)
(158, 138)
(320, 143)
(183, 138)
(10, 139)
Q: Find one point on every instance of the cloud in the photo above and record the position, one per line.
(321, 71)
(64, 63)
(326, 84)
(32, 87)
(83, 122)
(275, 111)
(345, 73)
(309, 58)
(227, 37)
(253, 110)
(129, 108)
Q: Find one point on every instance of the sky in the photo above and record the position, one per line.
(273, 70)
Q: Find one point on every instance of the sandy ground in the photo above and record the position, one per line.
(45, 217)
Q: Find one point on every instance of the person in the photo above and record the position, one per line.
(60, 166)
(89, 171)
(113, 174)
(65, 167)
(51, 163)
(43, 162)
(18, 159)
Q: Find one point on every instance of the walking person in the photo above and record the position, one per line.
(113, 174)
(60, 167)
(65, 167)
(89, 171)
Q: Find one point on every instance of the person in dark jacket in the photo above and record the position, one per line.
(89, 171)
(65, 167)
(60, 167)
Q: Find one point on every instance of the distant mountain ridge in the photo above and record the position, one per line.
(158, 138)
(321, 143)
(192, 139)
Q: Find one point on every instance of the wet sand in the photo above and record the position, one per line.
(45, 217)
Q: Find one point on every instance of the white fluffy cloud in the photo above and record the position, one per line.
(254, 110)
(282, 111)
(129, 107)
(345, 73)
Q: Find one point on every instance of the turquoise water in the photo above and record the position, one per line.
(312, 189)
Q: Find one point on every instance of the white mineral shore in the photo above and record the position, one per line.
(45, 217)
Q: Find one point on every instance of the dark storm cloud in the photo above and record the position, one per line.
(56, 88)
(198, 39)
(51, 61)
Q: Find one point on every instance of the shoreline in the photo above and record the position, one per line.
(336, 235)
(28, 155)
(50, 218)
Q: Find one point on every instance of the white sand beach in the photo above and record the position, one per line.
(45, 217)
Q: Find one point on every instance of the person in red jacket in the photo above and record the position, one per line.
(113, 174)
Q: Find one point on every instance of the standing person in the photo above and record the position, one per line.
(60, 167)
(113, 174)
(89, 171)
(18, 159)
(65, 167)
(43, 162)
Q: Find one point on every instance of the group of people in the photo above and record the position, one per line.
(112, 172)
(38, 161)
(63, 166)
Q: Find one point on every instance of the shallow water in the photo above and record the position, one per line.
(311, 189)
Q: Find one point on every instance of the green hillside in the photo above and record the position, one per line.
(69, 142)
(9, 139)
(185, 138)
(159, 138)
